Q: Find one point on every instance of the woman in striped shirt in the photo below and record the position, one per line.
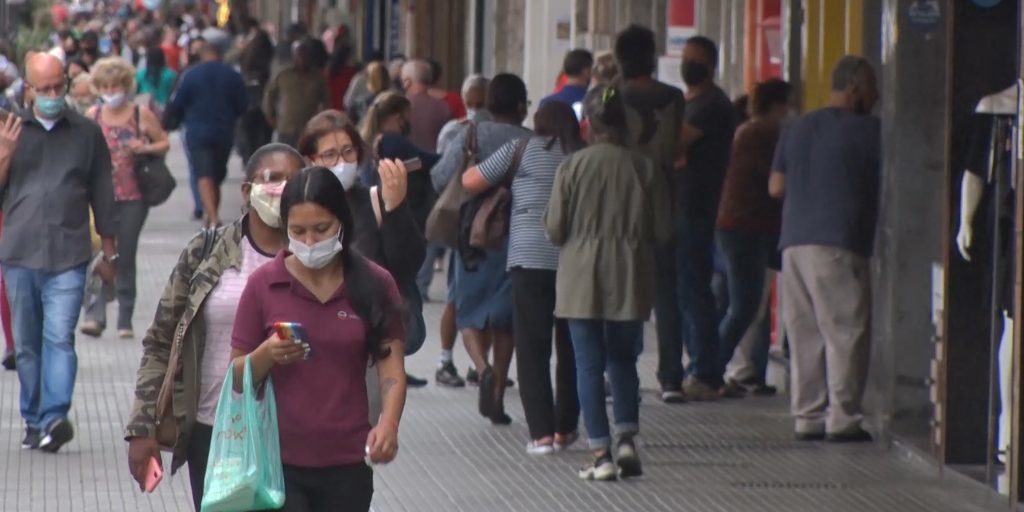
(529, 164)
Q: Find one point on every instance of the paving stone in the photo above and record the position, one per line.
(729, 457)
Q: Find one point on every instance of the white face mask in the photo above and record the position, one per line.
(115, 100)
(347, 172)
(265, 198)
(318, 255)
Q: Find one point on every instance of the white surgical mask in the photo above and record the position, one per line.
(265, 199)
(115, 100)
(318, 255)
(347, 172)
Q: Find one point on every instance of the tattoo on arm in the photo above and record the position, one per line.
(386, 386)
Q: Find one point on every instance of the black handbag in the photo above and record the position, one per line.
(154, 177)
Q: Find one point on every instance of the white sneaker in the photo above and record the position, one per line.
(601, 470)
(536, 448)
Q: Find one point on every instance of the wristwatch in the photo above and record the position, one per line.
(112, 258)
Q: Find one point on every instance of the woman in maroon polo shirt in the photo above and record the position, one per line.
(351, 312)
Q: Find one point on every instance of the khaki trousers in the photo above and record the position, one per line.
(826, 301)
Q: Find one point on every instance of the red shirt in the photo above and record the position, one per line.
(454, 101)
(322, 407)
(172, 54)
(337, 86)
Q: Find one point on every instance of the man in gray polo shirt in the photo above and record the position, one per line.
(54, 166)
(827, 166)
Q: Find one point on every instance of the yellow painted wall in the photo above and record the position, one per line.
(832, 28)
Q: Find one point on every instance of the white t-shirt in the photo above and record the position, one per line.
(220, 320)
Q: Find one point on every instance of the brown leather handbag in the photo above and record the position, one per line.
(491, 223)
(442, 226)
(166, 424)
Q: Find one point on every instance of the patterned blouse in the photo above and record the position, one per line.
(126, 185)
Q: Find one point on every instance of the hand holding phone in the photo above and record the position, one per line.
(154, 474)
(296, 333)
(413, 164)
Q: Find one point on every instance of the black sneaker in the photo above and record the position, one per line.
(627, 458)
(58, 435)
(32, 437)
(447, 375)
(10, 361)
(415, 382)
(672, 394)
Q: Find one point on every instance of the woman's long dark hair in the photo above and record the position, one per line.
(557, 120)
(155, 63)
(364, 290)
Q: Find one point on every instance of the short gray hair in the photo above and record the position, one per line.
(418, 71)
(474, 81)
(848, 71)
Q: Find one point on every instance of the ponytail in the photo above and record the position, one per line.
(606, 112)
(386, 104)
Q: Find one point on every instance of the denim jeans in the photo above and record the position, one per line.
(131, 217)
(694, 252)
(45, 311)
(746, 258)
(601, 344)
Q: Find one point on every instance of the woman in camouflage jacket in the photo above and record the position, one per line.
(194, 320)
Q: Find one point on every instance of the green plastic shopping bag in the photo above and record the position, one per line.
(244, 469)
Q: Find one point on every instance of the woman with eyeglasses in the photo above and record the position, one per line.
(351, 311)
(201, 298)
(385, 229)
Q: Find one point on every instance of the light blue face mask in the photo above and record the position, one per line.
(49, 107)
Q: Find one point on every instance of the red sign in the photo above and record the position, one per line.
(682, 13)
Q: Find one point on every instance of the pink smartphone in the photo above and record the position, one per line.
(154, 474)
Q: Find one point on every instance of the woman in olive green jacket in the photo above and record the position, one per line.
(608, 210)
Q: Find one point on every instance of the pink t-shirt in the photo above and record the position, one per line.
(219, 314)
(321, 402)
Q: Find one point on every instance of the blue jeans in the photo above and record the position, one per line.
(601, 344)
(698, 325)
(45, 308)
(746, 258)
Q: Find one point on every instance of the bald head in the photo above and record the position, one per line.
(43, 69)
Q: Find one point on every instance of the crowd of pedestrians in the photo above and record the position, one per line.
(613, 204)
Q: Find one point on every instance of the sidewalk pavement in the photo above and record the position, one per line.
(730, 457)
